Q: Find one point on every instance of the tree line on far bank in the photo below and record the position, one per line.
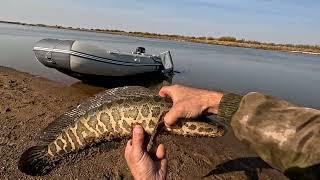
(224, 40)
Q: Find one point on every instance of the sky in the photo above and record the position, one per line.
(280, 21)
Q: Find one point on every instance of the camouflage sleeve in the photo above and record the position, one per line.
(284, 135)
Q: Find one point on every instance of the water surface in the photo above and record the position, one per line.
(293, 77)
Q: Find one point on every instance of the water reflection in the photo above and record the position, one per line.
(93, 84)
(289, 76)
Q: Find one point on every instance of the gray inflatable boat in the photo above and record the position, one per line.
(76, 57)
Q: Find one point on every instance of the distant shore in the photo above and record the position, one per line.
(223, 41)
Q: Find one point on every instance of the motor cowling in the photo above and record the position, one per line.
(140, 50)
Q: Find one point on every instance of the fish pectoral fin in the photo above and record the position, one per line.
(159, 126)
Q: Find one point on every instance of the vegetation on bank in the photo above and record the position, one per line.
(224, 41)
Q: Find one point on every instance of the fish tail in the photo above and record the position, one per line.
(36, 161)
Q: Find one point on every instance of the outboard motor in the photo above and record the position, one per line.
(140, 50)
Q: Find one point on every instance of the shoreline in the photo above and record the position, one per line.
(221, 41)
(29, 103)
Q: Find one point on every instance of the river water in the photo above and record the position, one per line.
(293, 77)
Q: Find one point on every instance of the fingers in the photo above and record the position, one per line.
(161, 152)
(141, 165)
(161, 155)
(165, 91)
(164, 166)
(173, 115)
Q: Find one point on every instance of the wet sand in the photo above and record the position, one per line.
(29, 103)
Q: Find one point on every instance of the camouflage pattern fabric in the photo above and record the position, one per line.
(284, 135)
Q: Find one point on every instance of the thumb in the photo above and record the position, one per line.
(137, 141)
(173, 115)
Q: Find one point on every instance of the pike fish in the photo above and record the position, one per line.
(105, 117)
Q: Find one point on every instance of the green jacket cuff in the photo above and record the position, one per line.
(228, 106)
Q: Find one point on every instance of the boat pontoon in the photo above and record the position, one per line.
(76, 57)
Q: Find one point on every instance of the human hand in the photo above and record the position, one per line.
(141, 165)
(189, 102)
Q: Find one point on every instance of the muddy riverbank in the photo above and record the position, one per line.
(29, 103)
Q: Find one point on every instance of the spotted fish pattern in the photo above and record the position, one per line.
(108, 116)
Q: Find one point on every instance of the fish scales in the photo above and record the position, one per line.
(110, 121)
(110, 115)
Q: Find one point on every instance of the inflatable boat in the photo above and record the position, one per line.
(78, 59)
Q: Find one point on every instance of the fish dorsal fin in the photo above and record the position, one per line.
(68, 118)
